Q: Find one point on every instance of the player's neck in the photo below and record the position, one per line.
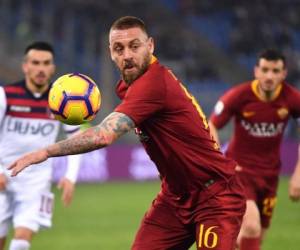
(33, 88)
(266, 95)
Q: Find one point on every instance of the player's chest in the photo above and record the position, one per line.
(261, 119)
(21, 126)
(26, 106)
(258, 112)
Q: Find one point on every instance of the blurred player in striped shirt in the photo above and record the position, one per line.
(26, 124)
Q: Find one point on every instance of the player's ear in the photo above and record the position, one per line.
(151, 44)
(109, 50)
(53, 69)
(285, 72)
(24, 67)
(256, 71)
(24, 64)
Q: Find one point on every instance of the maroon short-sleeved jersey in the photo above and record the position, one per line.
(174, 131)
(258, 125)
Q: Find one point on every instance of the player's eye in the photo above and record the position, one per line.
(118, 49)
(135, 46)
(35, 62)
(47, 63)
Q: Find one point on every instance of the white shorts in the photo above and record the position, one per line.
(23, 208)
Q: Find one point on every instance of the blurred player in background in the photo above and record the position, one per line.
(261, 109)
(26, 125)
(200, 199)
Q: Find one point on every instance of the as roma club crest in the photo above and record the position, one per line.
(282, 113)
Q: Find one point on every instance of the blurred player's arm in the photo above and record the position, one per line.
(3, 179)
(110, 129)
(220, 116)
(224, 109)
(214, 132)
(68, 181)
(294, 184)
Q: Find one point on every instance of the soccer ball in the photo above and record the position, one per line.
(74, 99)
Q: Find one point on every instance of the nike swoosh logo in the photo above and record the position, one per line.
(248, 113)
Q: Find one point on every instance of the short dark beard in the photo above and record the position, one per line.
(268, 94)
(128, 79)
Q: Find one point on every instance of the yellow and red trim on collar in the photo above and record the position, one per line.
(153, 59)
(254, 87)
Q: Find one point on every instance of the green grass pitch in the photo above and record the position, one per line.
(106, 216)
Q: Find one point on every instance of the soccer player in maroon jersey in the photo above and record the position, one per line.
(261, 109)
(200, 199)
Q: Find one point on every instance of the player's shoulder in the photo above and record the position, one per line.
(289, 88)
(16, 89)
(242, 87)
(238, 91)
(290, 93)
(156, 70)
(14, 85)
(155, 74)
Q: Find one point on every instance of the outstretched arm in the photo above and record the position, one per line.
(294, 185)
(111, 128)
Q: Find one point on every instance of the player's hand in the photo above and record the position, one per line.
(67, 191)
(294, 188)
(3, 181)
(27, 160)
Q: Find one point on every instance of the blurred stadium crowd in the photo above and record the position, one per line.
(242, 28)
(209, 44)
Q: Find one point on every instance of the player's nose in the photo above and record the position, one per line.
(127, 53)
(270, 75)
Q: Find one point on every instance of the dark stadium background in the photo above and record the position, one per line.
(211, 45)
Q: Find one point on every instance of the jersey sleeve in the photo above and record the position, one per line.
(73, 161)
(224, 109)
(143, 99)
(3, 104)
(70, 129)
(294, 103)
(73, 166)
